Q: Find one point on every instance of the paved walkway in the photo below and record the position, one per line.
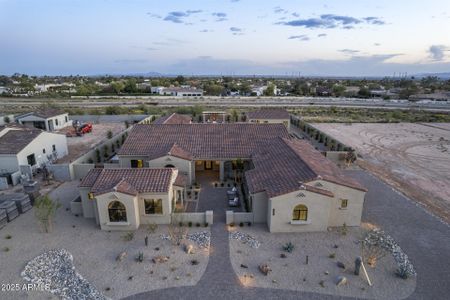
(423, 237)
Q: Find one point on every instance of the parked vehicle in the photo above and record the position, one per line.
(233, 198)
(79, 129)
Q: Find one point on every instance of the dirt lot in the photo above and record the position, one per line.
(80, 145)
(414, 158)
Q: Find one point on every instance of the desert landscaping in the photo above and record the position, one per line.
(322, 262)
(413, 158)
(113, 264)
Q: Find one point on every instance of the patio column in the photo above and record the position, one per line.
(222, 171)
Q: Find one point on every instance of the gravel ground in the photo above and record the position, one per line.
(292, 272)
(94, 254)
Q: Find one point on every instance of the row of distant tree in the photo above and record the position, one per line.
(217, 86)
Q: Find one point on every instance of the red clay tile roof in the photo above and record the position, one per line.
(283, 166)
(181, 180)
(179, 152)
(173, 119)
(275, 114)
(128, 180)
(201, 141)
(90, 178)
(13, 141)
(323, 167)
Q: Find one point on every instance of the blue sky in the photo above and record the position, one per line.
(228, 37)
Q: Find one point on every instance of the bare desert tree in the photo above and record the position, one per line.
(177, 229)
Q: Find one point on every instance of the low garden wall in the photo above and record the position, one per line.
(197, 217)
(238, 217)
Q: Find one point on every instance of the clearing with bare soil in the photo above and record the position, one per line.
(79, 145)
(414, 158)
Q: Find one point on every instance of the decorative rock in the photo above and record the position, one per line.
(55, 269)
(380, 238)
(327, 273)
(335, 246)
(244, 266)
(121, 256)
(340, 265)
(189, 249)
(282, 255)
(201, 238)
(341, 280)
(245, 239)
(265, 269)
(160, 259)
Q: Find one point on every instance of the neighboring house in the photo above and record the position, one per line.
(122, 199)
(279, 116)
(67, 87)
(259, 90)
(23, 146)
(173, 119)
(45, 119)
(3, 90)
(181, 92)
(290, 186)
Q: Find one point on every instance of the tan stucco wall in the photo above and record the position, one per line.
(86, 203)
(272, 121)
(259, 207)
(125, 161)
(318, 212)
(351, 215)
(164, 218)
(183, 166)
(131, 205)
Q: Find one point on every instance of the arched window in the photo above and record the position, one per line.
(117, 212)
(169, 166)
(300, 213)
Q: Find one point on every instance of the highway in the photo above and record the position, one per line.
(226, 102)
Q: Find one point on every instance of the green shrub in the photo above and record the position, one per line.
(288, 247)
(190, 224)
